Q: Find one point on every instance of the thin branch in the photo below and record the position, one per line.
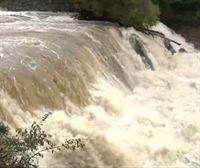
(159, 34)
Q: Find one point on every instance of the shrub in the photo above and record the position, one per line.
(137, 13)
(23, 149)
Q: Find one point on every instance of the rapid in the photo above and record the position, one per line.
(133, 102)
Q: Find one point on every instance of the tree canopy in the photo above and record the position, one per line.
(185, 12)
(137, 13)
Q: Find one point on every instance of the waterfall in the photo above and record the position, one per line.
(134, 103)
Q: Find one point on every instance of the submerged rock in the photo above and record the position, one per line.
(169, 46)
(182, 50)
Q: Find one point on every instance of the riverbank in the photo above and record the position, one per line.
(191, 34)
(89, 76)
(24, 5)
(3, 9)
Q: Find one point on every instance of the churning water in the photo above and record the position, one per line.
(135, 103)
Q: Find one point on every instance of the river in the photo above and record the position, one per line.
(134, 102)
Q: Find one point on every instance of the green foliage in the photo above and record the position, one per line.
(23, 149)
(137, 13)
(3, 129)
(185, 12)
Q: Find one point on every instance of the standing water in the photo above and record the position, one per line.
(135, 103)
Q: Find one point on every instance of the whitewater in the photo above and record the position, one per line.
(133, 102)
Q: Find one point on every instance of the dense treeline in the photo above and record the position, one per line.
(186, 12)
(40, 5)
(138, 13)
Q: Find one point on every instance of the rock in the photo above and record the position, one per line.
(182, 50)
(169, 47)
(139, 48)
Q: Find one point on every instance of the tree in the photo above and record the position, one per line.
(184, 12)
(137, 13)
(23, 149)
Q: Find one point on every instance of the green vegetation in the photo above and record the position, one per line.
(184, 12)
(26, 146)
(137, 13)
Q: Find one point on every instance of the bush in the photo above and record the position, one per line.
(184, 12)
(137, 13)
(23, 149)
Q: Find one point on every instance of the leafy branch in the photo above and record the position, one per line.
(23, 149)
